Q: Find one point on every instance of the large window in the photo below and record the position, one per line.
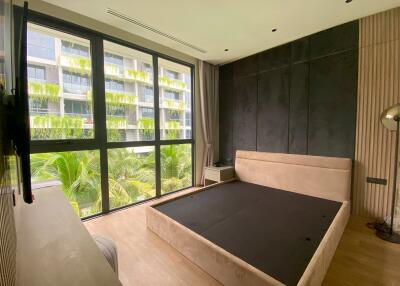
(107, 136)
(51, 83)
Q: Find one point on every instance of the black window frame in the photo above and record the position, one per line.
(99, 141)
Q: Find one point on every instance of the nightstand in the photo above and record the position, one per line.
(218, 174)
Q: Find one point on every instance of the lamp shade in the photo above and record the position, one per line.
(390, 116)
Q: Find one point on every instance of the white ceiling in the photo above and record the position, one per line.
(243, 27)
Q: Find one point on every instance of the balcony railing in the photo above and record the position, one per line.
(173, 104)
(40, 90)
(116, 122)
(120, 99)
(113, 70)
(138, 75)
(172, 83)
(75, 62)
(172, 124)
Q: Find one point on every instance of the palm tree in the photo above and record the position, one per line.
(78, 173)
(176, 167)
(131, 175)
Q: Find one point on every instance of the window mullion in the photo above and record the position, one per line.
(157, 125)
(99, 104)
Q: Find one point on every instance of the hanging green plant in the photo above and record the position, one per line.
(116, 122)
(146, 125)
(137, 75)
(44, 91)
(177, 105)
(57, 127)
(120, 99)
(172, 124)
(83, 65)
(173, 83)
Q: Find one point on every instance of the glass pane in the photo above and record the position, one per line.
(175, 100)
(59, 71)
(76, 174)
(128, 90)
(131, 175)
(176, 167)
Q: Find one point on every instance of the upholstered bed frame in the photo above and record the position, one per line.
(322, 177)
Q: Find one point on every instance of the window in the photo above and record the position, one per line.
(175, 103)
(76, 173)
(131, 175)
(147, 112)
(40, 45)
(146, 94)
(36, 73)
(176, 167)
(75, 107)
(171, 74)
(74, 49)
(116, 166)
(52, 116)
(172, 95)
(114, 85)
(127, 124)
(75, 83)
(113, 59)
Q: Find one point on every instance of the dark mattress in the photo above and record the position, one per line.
(273, 230)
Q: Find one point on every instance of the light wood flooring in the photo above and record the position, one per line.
(145, 259)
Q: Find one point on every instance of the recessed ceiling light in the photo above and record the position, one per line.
(274, 30)
(226, 50)
(348, 1)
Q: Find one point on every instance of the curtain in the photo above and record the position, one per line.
(208, 104)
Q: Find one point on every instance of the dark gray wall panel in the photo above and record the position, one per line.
(299, 50)
(273, 111)
(226, 120)
(334, 40)
(226, 72)
(333, 93)
(245, 67)
(244, 114)
(274, 58)
(298, 120)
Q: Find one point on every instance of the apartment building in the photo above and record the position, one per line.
(60, 90)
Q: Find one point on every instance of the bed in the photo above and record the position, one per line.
(278, 223)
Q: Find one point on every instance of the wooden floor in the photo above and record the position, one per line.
(145, 259)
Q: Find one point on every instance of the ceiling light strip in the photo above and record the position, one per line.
(154, 30)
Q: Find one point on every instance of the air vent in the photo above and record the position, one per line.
(154, 30)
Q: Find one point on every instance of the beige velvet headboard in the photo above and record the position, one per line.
(324, 177)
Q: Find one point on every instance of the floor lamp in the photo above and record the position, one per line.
(390, 118)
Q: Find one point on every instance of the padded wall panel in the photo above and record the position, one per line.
(274, 58)
(226, 120)
(273, 111)
(332, 99)
(298, 118)
(244, 113)
(245, 67)
(334, 40)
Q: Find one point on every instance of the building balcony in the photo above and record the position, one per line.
(114, 122)
(138, 76)
(113, 70)
(56, 121)
(120, 99)
(81, 64)
(41, 90)
(172, 124)
(172, 83)
(173, 104)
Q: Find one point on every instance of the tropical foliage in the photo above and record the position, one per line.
(131, 174)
